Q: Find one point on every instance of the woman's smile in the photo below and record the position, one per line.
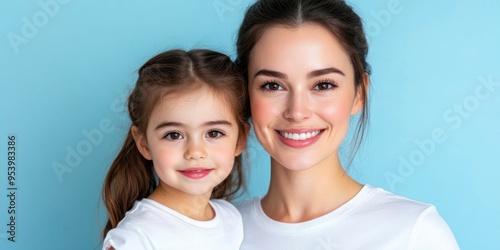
(299, 136)
(302, 94)
(299, 139)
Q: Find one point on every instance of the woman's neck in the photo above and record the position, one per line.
(194, 207)
(297, 196)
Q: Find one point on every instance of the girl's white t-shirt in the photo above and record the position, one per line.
(373, 219)
(150, 225)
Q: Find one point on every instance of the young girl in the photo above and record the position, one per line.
(181, 157)
(307, 75)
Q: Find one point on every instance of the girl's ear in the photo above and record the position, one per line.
(141, 143)
(359, 99)
(242, 140)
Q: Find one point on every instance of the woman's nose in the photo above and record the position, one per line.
(297, 107)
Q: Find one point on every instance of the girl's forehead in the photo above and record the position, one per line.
(194, 92)
(199, 102)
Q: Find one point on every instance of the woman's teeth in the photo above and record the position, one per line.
(299, 136)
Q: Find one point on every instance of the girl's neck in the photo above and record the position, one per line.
(297, 196)
(194, 207)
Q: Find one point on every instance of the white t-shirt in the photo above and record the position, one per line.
(150, 225)
(373, 219)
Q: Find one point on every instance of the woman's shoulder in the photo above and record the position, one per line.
(378, 197)
(389, 206)
(426, 227)
(368, 199)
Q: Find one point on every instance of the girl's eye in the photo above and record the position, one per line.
(324, 86)
(173, 136)
(271, 86)
(214, 134)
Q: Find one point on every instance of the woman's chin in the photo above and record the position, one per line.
(294, 163)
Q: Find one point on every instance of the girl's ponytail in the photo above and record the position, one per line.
(131, 177)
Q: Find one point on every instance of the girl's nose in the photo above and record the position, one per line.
(195, 150)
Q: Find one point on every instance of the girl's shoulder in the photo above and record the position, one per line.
(247, 206)
(149, 225)
(225, 209)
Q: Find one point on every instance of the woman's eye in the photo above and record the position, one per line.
(273, 86)
(173, 136)
(324, 86)
(214, 134)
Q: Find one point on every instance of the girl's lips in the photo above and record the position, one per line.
(195, 173)
(299, 138)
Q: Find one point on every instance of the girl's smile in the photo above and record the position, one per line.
(192, 140)
(196, 172)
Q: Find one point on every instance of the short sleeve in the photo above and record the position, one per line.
(432, 232)
(125, 239)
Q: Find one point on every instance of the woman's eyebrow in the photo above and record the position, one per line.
(325, 71)
(271, 73)
(312, 74)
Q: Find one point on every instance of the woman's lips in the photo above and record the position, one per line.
(299, 136)
(299, 139)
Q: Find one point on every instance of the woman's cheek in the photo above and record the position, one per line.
(335, 111)
(261, 110)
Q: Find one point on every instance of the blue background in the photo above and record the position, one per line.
(66, 68)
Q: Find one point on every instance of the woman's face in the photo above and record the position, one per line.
(302, 94)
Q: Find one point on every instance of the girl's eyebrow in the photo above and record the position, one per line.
(218, 122)
(206, 124)
(169, 124)
(314, 73)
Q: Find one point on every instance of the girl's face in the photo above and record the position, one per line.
(302, 94)
(192, 139)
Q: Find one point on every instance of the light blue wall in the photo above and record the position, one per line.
(66, 67)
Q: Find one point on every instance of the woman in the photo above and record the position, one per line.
(306, 70)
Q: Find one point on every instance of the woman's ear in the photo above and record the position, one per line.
(141, 142)
(242, 140)
(361, 94)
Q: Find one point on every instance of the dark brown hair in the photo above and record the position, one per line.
(131, 177)
(335, 15)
